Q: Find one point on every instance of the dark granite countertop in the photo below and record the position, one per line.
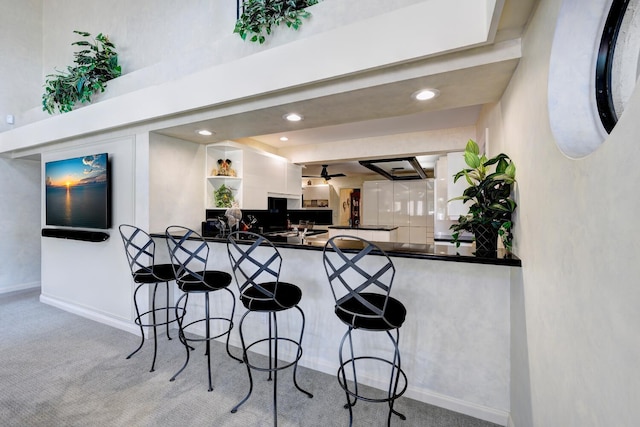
(364, 227)
(404, 250)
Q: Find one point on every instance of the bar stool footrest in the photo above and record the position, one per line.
(138, 319)
(203, 339)
(280, 367)
(401, 379)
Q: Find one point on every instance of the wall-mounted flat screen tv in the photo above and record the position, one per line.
(78, 193)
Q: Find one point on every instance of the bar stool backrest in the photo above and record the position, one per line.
(255, 263)
(189, 254)
(140, 250)
(354, 272)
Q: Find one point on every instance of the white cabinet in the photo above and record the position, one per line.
(377, 203)
(293, 179)
(406, 204)
(402, 203)
(369, 208)
(254, 177)
(386, 204)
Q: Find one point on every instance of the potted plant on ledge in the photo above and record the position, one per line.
(490, 196)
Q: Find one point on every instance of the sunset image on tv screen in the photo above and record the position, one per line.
(77, 192)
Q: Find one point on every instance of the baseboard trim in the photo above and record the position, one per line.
(20, 287)
(91, 314)
(496, 416)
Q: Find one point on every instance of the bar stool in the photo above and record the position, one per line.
(256, 264)
(189, 253)
(140, 250)
(360, 281)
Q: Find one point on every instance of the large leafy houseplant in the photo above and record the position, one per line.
(490, 196)
(259, 16)
(94, 64)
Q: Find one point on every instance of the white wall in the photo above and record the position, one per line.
(93, 278)
(177, 172)
(575, 336)
(145, 32)
(21, 53)
(19, 224)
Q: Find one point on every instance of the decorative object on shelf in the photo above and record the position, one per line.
(95, 64)
(234, 217)
(224, 168)
(223, 197)
(490, 213)
(259, 16)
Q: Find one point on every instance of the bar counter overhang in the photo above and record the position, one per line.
(455, 342)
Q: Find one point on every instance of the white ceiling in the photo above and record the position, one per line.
(382, 109)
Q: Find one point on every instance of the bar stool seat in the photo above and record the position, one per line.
(285, 296)
(205, 281)
(354, 312)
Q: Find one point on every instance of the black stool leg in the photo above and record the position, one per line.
(349, 405)
(270, 343)
(233, 310)
(138, 321)
(181, 336)
(208, 338)
(167, 313)
(395, 381)
(246, 362)
(275, 368)
(155, 328)
(299, 355)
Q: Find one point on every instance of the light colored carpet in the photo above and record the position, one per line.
(59, 369)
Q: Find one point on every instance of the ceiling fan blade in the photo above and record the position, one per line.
(324, 174)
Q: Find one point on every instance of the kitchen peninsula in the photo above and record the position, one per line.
(455, 341)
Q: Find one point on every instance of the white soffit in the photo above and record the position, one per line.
(403, 35)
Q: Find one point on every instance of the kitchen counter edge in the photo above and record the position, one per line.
(463, 254)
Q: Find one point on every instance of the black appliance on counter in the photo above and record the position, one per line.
(277, 213)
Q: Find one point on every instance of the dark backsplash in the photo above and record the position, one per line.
(271, 220)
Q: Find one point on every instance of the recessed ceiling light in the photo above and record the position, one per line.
(284, 138)
(426, 94)
(205, 132)
(293, 117)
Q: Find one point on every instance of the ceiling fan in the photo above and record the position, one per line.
(324, 174)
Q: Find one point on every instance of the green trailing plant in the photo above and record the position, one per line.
(223, 197)
(489, 193)
(260, 16)
(94, 64)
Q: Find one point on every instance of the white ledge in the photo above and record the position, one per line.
(422, 30)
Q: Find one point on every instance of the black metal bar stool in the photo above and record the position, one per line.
(140, 250)
(361, 279)
(256, 264)
(189, 253)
